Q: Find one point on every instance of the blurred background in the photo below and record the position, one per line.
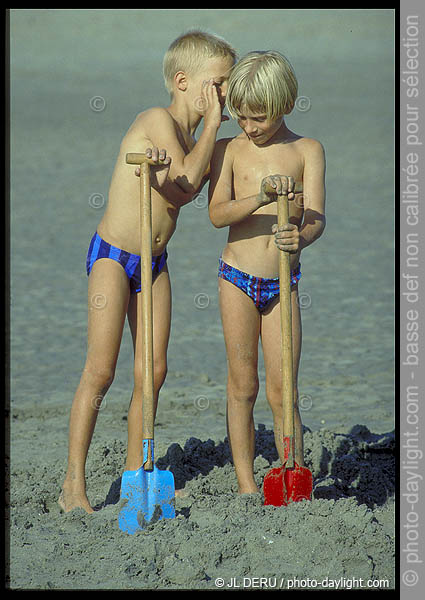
(78, 78)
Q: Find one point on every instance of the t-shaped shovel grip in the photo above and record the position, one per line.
(298, 188)
(139, 158)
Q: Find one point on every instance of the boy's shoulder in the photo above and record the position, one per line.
(299, 140)
(311, 151)
(154, 114)
(306, 144)
(231, 143)
(302, 144)
(149, 122)
(223, 145)
(227, 148)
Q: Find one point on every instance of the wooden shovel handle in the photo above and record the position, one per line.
(286, 316)
(286, 324)
(286, 329)
(144, 338)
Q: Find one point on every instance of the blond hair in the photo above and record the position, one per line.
(189, 52)
(262, 82)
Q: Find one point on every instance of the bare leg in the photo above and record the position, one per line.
(108, 293)
(271, 342)
(241, 328)
(161, 302)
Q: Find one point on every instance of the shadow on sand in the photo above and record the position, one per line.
(359, 464)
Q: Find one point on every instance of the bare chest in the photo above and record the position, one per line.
(251, 166)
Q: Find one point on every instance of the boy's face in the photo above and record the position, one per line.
(218, 69)
(258, 127)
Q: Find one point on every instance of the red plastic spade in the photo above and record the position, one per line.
(290, 482)
(284, 485)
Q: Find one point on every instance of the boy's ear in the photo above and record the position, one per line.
(180, 79)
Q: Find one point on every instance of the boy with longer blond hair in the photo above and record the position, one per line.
(262, 89)
(196, 70)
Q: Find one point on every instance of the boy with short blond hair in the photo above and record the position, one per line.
(190, 51)
(198, 92)
(262, 89)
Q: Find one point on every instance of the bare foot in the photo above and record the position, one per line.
(68, 501)
(248, 489)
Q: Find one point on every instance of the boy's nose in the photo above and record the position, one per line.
(250, 128)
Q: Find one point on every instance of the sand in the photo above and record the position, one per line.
(346, 531)
(62, 154)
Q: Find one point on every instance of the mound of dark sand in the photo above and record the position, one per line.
(347, 531)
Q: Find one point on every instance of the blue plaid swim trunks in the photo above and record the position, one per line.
(261, 290)
(130, 262)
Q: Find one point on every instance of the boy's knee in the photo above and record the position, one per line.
(100, 376)
(275, 396)
(244, 388)
(159, 374)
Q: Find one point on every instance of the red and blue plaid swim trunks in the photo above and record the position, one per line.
(261, 290)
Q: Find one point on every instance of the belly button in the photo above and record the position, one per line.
(157, 239)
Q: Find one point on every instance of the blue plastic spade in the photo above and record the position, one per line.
(149, 493)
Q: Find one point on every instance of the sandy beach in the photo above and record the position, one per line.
(78, 78)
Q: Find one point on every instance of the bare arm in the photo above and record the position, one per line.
(224, 210)
(289, 238)
(314, 221)
(188, 171)
(172, 191)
